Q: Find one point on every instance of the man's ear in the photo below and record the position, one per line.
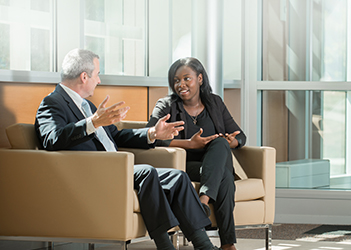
(83, 77)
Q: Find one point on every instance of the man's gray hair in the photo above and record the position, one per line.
(76, 62)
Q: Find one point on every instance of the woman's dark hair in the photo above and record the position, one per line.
(198, 68)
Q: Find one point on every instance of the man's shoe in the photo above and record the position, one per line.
(213, 248)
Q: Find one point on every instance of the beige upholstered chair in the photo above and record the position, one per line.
(72, 196)
(255, 193)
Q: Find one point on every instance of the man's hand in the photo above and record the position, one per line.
(196, 141)
(110, 115)
(164, 130)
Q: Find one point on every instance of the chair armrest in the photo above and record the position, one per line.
(259, 162)
(69, 194)
(130, 124)
(160, 157)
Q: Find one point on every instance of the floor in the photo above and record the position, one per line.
(285, 237)
(243, 244)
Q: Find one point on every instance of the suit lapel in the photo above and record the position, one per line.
(70, 103)
(179, 110)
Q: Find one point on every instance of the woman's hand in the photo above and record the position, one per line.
(196, 141)
(231, 138)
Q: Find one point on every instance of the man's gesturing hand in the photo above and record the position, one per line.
(164, 130)
(110, 115)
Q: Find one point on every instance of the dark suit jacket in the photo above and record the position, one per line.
(221, 118)
(60, 125)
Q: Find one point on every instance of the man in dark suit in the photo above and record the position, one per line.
(66, 121)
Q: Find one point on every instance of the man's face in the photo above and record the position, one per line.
(94, 80)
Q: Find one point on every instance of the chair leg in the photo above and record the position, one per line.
(51, 245)
(175, 240)
(269, 237)
(124, 246)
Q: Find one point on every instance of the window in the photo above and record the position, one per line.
(305, 41)
(26, 35)
(131, 37)
(115, 30)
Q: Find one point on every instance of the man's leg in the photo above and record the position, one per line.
(186, 206)
(154, 206)
(183, 199)
(179, 199)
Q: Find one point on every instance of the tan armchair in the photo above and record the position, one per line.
(72, 196)
(254, 196)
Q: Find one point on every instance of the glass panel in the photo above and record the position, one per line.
(333, 130)
(26, 35)
(95, 10)
(232, 39)
(333, 40)
(40, 5)
(170, 34)
(115, 30)
(40, 50)
(4, 46)
(304, 40)
(181, 29)
(5, 2)
(178, 39)
(160, 56)
(97, 45)
(308, 130)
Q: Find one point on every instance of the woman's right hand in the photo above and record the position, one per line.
(196, 141)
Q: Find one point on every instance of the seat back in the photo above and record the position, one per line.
(23, 136)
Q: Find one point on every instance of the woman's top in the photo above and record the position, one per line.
(216, 110)
(204, 121)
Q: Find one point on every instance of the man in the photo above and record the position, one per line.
(66, 121)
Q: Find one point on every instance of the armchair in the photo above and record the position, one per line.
(255, 195)
(72, 196)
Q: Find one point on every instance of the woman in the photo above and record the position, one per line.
(208, 136)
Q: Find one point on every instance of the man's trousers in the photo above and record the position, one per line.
(167, 199)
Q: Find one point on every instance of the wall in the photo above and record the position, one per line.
(19, 102)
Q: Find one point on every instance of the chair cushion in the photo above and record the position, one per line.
(246, 190)
(249, 189)
(22, 136)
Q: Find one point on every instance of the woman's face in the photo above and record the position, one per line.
(187, 84)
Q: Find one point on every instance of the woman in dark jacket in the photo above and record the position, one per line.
(208, 136)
